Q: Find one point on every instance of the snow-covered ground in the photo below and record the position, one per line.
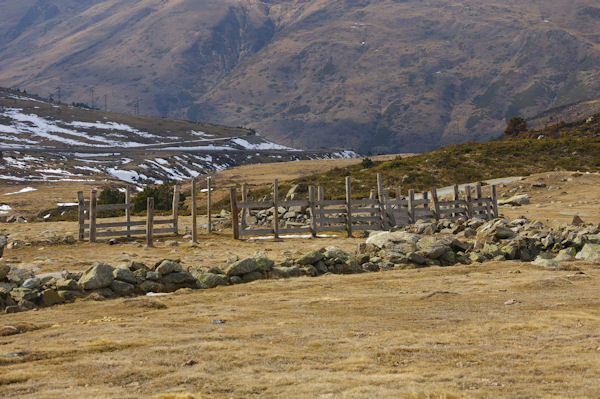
(35, 143)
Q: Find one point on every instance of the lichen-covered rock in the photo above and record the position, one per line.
(50, 297)
(167, 266)
(236, 280)
(386, 238)
(431, 247)
(19, 294)
(477, 257)
(125, 275)
(122, 288)
(242, 267)
(370, 267)
(566, 254)
(351, 266)
(336, 254)
(589, 252)
(153, 276)
(310, 270)
(510, 250)
(311, 258)
(178, 278)
(417, 258)
(149, 286)
(98, 276)
(210, 280)
(252, 276)
(263, 264)
(321, 267)
(547, 263)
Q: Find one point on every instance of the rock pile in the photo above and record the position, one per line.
(447, 242)
(441, 243)
(291, 216)
(20, 291)
(54, 240)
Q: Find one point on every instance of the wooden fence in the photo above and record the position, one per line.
(195, 208)
(92, 229)
(378, 212)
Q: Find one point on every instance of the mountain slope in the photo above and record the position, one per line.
(45, 141)
(378, 76)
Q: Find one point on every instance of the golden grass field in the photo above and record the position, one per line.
(498, 329)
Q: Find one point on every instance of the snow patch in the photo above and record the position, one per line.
(23, 190)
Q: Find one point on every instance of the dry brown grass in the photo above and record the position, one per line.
(425, 333)
(429, 333)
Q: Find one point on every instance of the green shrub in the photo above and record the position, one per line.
(162, 194)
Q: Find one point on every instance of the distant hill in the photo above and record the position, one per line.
(378, 76)
(41, 140)
(570, 146)
(568, 112)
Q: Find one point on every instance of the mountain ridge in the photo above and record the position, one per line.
(378, 76)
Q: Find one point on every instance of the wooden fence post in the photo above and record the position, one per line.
(411, 205)
(383, 209)
(436, 204)
(469, 203)
(81, 213)
(313, 213)
(128, 210)
(495, 201)
(321, 198)
(379, 188)
(194, 213)
(426, 197)
(93, 203)
(373, 197)
(348, 207)
(276, 209)
(209, 204)
(244, 209)
(176, 209)
(478, 196)
(456, 198)
(150, 222)
(234, 213)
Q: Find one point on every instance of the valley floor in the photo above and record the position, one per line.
(497, 329)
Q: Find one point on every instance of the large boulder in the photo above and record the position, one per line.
(168, 266)
(242, 267)
(98, 276)
(263, 264)
(336, 254)
(387, 238)
(589, 252)
(432, 247)
(547, 263)
(50, 297)
(125, 275)
(178, 278)
(122, 288)
(311, 258)
(210, 280)
(516, 200)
